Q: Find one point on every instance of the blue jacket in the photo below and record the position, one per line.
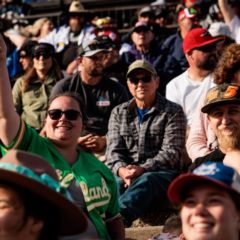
(173, 57)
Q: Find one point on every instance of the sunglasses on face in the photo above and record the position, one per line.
(145, 79)
(71, 114)
(141, 29)
(207, 48)
(43, 54)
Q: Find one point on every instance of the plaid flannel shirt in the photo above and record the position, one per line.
(155, 144)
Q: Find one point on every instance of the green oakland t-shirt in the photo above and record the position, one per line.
(95, 179)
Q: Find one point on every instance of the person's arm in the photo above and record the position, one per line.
(116, 152)
(227, 11)
(116, 228)
(173, 143)
(9, 119)
(114, 221)
(92, 142)
(232, 159)
(197, 139)
(17, 96)
(16, 38)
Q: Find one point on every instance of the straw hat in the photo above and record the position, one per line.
(76, 7)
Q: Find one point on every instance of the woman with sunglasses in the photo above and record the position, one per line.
(90, 182)
(32, 90)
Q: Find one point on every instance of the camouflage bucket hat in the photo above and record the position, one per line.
(222, 94)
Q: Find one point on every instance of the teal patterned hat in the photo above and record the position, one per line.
(36, 175)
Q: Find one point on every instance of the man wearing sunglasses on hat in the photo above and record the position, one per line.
(99, 93)
(145, 139)
(91, 184)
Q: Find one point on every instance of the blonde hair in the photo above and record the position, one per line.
(35, 28)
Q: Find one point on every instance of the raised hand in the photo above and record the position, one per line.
(3, 50)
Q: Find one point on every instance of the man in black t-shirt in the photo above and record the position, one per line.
(100, 95)
(222, 106)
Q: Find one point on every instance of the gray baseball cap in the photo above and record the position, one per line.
(91, 47)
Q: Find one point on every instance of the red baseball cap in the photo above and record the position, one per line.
(187, 13)
(198, 37)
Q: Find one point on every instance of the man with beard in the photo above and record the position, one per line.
(100, 95)
(186, 89)
(222, 106)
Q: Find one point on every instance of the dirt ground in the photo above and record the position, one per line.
(142, 233)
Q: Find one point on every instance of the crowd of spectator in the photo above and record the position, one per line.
(119, 118)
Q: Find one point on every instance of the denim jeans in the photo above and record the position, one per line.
(146, 190)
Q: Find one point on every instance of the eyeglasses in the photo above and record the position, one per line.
(43, 54)
(145, 79)
(71, 114)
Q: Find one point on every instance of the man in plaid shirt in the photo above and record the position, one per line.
(145, 139)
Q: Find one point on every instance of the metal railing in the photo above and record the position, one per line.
(123, 15)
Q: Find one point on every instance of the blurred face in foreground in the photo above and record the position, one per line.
(209, 213)
(14, 222)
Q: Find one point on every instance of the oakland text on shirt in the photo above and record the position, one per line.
(94, 196)
(95, 193)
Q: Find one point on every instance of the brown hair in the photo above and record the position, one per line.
(228, 65)
(31, 74)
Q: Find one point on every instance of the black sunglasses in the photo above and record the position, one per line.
(207, 48)
(43, 54)
(71, 114)
(95, 46)
(135, 80)
(141, 29)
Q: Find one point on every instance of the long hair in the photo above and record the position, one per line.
(228, 64)
(32, 74)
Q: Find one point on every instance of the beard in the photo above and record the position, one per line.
(229, 141)
(209, 64)
(95, 72)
